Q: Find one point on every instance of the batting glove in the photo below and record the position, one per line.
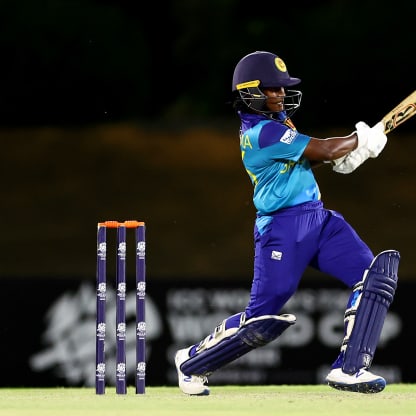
(373, 138)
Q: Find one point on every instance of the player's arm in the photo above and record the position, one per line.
(332, 148)
(347, 153)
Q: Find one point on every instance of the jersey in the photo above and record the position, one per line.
(272, 152)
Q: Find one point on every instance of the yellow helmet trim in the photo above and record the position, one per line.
(248, 84)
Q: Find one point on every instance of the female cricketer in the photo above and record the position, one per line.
(293, 230)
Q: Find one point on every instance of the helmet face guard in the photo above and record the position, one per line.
(254, 99)
(260, 70)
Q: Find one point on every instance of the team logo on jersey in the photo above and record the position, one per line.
(288, 137)
(276, 255)
(281, 66)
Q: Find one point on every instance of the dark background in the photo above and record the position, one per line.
(68, 62)
(108, 111)
(112, 110)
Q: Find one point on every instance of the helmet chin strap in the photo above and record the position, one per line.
(277, 116)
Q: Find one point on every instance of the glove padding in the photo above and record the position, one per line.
(373, 138)
(371, 142)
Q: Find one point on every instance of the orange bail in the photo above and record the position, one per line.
(116, 224)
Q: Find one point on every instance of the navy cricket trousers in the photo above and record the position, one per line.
(294, 238)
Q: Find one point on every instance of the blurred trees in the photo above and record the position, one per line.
(110, 111)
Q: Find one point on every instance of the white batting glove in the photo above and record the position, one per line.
(351, 161)
(371, 141)
(362, 131)
(372, 138)
(376, 139)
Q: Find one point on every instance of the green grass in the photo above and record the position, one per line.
(317, 400)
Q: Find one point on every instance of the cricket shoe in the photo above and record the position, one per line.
(192, 385)
(361, 382)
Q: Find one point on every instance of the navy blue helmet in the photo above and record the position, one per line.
(259, 70)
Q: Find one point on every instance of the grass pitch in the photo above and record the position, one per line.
(316, 400)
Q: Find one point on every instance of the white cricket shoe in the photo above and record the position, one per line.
(361, 382)
(193, 385)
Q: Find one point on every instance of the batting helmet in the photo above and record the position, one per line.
(259, 70)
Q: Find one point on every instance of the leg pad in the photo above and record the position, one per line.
(252, 334)
(370, 304)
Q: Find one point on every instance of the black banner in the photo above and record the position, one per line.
(48, 333)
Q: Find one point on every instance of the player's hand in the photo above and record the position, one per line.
(362, 130)
(351, 161)
(371, 141)
(372, 138)
(377, 140)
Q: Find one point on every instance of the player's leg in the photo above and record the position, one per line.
(196, 383)
(228, 343)
(278, 267)
(364, 319)
(239, 334)
(367, 307)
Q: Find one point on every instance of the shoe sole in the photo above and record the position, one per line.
(367, 388)
(204, 393)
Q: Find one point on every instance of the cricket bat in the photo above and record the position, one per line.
(400, 113)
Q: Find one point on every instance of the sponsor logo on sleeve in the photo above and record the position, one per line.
(288, 136)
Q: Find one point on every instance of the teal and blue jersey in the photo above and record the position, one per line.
(272, 154)
(292, 228)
